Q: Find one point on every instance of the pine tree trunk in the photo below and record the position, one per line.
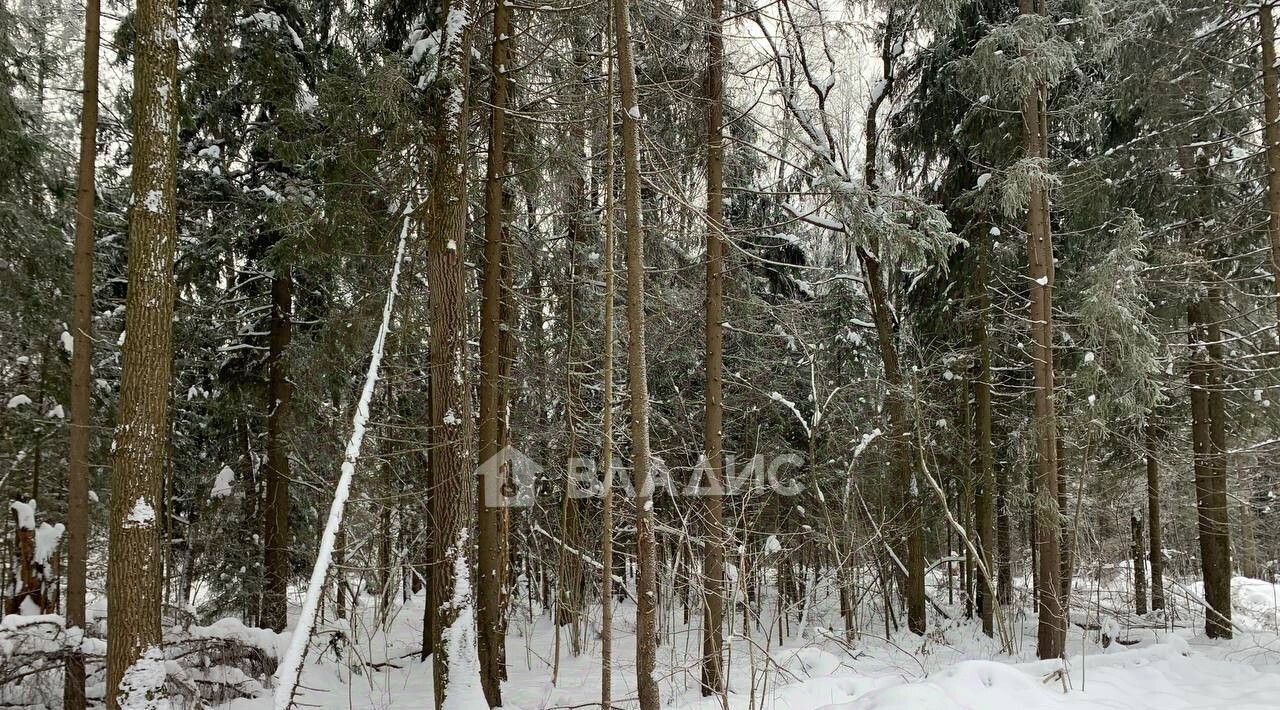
(1271, 133)
(80, 433)
(1209, 456)
(646, 584)
(275, 512)
(444, 222)
(1051, 633)
(489, 636)
(984, 501)
(714, 538)
(569, 566)
(1156, 553)
(606, 405)
(134, 575)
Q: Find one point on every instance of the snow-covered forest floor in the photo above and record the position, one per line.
(1161, 660)
(954, 666)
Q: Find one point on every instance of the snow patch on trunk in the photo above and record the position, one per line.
(463, 690)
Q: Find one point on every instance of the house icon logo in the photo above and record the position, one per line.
(510, 479)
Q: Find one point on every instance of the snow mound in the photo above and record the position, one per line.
(810, 662)
(968, 684)
(916, 695)
(269, 642)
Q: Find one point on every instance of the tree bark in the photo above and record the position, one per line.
(1051, 632)
(1004, 540)
(80, 433)
(713, 453)
(134, 575)
(489, 636)
(984, 501)
(1271, 133)
(882, 316)
(606, 405)
(1209, 458)
(444, 222)
(1156, 553)
(275, 511)
(646, 584)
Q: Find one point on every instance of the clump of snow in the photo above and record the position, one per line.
(26, 513)
(153, 202)
(222, 483)
(47, 539)
(56, 412)
(771, 545)
(810, 662)
(142, 687)
(18, 400)
(142, 514)
(68, 342)
(269, 642)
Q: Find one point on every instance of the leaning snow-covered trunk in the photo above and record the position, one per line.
(291, 664)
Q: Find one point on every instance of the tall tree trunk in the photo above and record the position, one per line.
(80, 433)
(646, 584)
(1209, 456)
(714, 539)
(882, 316)
(606, 404)
(984, 502)
(568, 566)
(134, 575)
(444, 222)
(1271, 133)
(489, 636)
(275, 513)
(1156, 553)
(1051, 633)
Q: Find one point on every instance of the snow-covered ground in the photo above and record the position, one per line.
(1157, 661)
(954, 666)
